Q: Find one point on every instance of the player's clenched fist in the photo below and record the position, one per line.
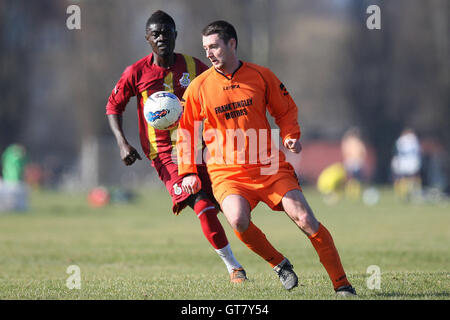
(293, 145)
(191, 184)
(129, 154)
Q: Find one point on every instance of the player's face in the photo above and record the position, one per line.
(217, 51)
(161, 38)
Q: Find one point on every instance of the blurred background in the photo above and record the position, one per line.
(55, 82)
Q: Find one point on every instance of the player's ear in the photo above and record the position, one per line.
(232, 43)
(176, 34)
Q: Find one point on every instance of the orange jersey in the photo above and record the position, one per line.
(235, 126)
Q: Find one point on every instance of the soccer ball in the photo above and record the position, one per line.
(163, 110)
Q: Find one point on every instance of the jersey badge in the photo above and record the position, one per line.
(185, 80)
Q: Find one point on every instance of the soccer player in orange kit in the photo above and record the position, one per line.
(231, 99)
(166, 70)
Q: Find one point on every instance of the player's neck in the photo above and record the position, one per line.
(164, 62)
(230, 67)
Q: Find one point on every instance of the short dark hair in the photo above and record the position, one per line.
(160, 17)
(224, 29)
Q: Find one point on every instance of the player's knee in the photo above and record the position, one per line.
(301, 220)
(305, 221)
(239, 223)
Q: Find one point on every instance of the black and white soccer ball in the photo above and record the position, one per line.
(163, 110)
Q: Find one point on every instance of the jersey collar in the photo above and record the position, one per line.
(230, 76)
(152, 65)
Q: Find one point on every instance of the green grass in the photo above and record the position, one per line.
(142, 251)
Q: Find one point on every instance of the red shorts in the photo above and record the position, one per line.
(169, 176)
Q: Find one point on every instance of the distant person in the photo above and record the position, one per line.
(406, 165)
(14, 160)
(354, 153)
(233, 97)
(166, 70)
(331, 182)
(13, 190)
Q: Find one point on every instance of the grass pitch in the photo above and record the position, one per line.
(142, 251)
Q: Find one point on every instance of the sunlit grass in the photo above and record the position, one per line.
(141, 250)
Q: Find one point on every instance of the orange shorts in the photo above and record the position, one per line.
(250, 184)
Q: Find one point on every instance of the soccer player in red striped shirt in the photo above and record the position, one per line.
(166, 70)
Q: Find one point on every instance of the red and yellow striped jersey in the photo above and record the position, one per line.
(142, 79)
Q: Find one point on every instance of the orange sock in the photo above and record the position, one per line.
(329, 257)
(256, 241)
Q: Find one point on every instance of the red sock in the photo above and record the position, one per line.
(256, 241)
(329, 257)
(210, 223)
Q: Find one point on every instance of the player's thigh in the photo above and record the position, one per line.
(168, 174)
(237, 211)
